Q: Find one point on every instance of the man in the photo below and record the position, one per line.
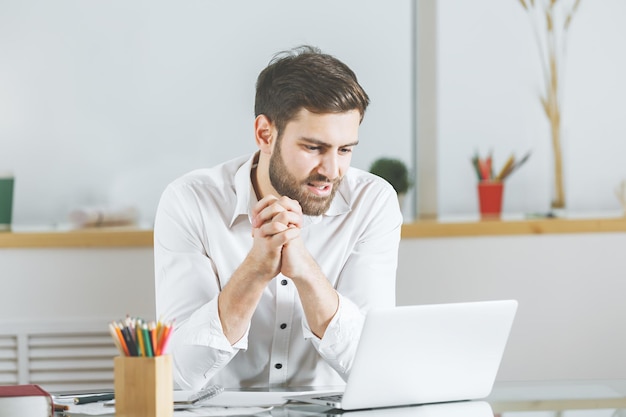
(269, 263)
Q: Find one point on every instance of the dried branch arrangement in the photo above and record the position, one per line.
(551, 20)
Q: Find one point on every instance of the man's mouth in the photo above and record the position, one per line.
(320, 189)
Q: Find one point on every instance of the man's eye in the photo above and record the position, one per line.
(345, 150)
(312, 148)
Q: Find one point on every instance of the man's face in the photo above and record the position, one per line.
(311, 157)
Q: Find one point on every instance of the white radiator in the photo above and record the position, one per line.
(58, 355)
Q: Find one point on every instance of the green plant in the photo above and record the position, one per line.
(394, 171)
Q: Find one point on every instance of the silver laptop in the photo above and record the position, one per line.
(450, 409)
(425, 354)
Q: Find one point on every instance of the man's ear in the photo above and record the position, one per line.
(264, 133)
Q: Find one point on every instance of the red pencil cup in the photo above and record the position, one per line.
(490, 199)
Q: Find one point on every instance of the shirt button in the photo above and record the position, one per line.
(283, 326)
(278, 365)
(283, 282)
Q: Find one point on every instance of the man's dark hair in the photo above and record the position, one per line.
(304, 77)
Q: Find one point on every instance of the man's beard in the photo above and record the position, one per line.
(287, 185)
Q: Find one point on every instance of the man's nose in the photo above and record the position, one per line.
(329, 166)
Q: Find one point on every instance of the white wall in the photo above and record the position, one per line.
(76, 283)
(570, 290)
(570, 287)
(105, 102)
(488, 84)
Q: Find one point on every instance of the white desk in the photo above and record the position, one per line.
(592, 398)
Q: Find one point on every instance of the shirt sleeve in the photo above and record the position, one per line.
(200, 348)
(186, 290)
(368, 280)
(338, 345)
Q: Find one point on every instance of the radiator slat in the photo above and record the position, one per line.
(58, 355)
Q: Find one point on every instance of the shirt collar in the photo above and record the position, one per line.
(246, 197)
(340, 205)
(244, 191)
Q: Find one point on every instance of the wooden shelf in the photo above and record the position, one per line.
(135, 237)
(435, 228)
(84, 238)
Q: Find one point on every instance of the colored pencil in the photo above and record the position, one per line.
(137, 337)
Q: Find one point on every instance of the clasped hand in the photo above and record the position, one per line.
(278, 247)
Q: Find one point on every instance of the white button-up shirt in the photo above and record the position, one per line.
(203, 232)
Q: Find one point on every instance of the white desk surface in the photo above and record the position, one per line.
(527, 396)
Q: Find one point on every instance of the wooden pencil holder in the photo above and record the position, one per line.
(143, 386)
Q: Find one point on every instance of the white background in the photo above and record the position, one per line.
(570, 287)
(105, 102)
(489, 81)
(569, 323)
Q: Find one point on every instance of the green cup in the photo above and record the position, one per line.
(6, 200)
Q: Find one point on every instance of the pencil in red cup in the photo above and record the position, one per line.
(484, 169)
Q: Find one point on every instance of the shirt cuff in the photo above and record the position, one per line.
(204, 328)
(344, 328)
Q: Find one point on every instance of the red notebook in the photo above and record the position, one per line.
(25, 400)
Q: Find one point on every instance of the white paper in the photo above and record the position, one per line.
(103, 216)
(239, 398)
(222, 411)
(98, 409)
(92, 409)
(228, 403)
